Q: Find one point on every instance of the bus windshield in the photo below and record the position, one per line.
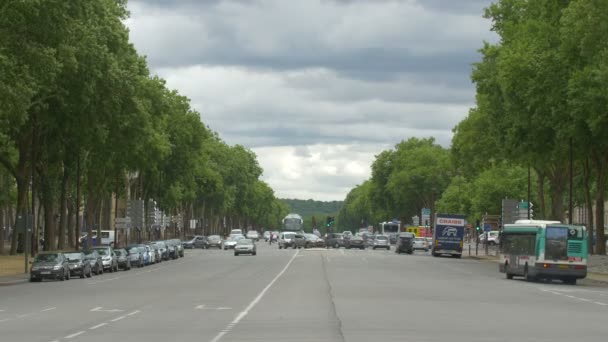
(391, 228)
(292, 224)
(556, 243)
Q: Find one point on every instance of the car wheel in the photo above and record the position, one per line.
(90, 274)
(236, 254)
(507, 274)
(62, 275)
(82, 275)
(111, 268)
(255, 253)
(280, 247)
(32, 280)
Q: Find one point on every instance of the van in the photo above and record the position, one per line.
(287, 239)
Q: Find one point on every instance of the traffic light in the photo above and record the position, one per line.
(478, 225)
(328, 222)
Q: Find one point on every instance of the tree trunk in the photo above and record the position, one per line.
(49, 225)
(599, 206)
(541, 193)
(557, 180)
(70, 225)
(3, 226)
(588, 203)
(63, 218)
(21, 210)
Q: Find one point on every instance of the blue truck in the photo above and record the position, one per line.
(448, 235)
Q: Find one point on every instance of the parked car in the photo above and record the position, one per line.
(123, 259)
(180, 247)
(420, 243)
(335, 240)
(267, 235)
(347, 234)
(162, 249)
(214, 241)
(151, 254)
(405, 244)
(108, 258)
(381, 241)
(136, 258)
(493, 237)
(253, 235)
(172, 249)
(78, 264)
(355, 242)
(245, 246)
(94, 259)
(156, 251)
(143, 251)
(197, 241)
(50, 266)
(286, 239)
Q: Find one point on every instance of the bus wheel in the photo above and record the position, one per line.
(527, 276)
(507, 274)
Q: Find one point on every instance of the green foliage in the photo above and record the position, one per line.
(308, 208)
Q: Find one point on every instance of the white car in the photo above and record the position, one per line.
(253, 235)
(231, 241)
(421, 243)
(151, 254)
(286, 239)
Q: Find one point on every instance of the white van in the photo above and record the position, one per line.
(236, 232)
(287, 239)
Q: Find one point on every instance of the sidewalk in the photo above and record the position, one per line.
(14, 279)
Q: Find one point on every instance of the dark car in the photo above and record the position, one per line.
(335, 240)
(405, 244)
(214, 241)
(95, 260)
(197, 241)
(136, 256)
(355, 242)
(314, 241)
(124, 262)
(78, 264)
(50, 266)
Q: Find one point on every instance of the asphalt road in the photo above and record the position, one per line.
(304, 295)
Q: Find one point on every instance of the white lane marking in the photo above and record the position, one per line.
(224, 308)
(98, 326)
(23, 315)
(75, 334)
(101, 309)
(4, 320)
(48, 309)
(133, 313)
(200, 307)
(574, 297)
(118, 318)
(244, 313)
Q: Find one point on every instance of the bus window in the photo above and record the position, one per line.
(518, 244)
(556, 243)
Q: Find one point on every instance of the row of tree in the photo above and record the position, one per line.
(541, 103)
(83, 120)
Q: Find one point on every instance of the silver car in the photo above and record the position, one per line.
(245, 246)
(421, 243)
(381, 241)
(108, 258)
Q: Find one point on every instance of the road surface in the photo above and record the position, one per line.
(304, 295)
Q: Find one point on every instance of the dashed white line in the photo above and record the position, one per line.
(244, 313)
(48, 309)
(118, 318)
(75, 334)
(98, 326)
(133, 313)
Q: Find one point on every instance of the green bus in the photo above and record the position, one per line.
(543, 250)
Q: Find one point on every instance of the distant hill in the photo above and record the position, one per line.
(311, 207)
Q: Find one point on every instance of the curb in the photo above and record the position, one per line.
(13, 282)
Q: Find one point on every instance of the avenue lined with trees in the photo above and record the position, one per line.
(84, 121)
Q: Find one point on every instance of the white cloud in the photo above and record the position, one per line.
(317, 88)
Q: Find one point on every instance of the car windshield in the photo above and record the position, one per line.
(73, 256)
(102, 251)
(213, 237)
(119, 252)
(383, 238)
(47, 257)
(245, 242)
(134, 251)
(289, 236)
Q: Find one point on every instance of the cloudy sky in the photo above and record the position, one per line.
(317, 88)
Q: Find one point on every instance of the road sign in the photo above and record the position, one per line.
(192, 224)
(426, 211)
(487, 227)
